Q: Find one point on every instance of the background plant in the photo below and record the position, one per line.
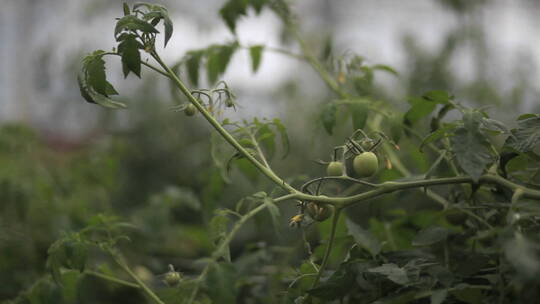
(487, 202)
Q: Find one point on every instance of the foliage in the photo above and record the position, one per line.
(473, 238)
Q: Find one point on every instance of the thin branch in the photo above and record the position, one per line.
(335, 219)
(259, 150)
(224, 133)
(122, 263)
(111, 279)
(225, 243)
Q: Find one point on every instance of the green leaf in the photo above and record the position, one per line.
(438, 134)
(94, 66)
(126, 9)
(283, 134)
(256, 54)
(93, 97)
(257, 5)
(364, 238)
(440, 97)
(328, 117)
(337, 286)
(393, 272)
(131, 57)
(273, 209)
(231, 11)
(386, 68)
(192, 65)
(218, 57)
(221, 283)
(359, 114)
(218, 225)
(494, 125)
(527, 136)
(419, 109)
(430, 236)
(132, 23)
(472, 152)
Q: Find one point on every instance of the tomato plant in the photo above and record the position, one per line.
(472, 239)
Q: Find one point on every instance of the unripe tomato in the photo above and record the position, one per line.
(366, 164)
(334, 168)
(190, 110)
(172, 278)
(318, 212)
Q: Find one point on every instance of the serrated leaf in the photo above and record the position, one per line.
(95, 74)
(231, 11)
(364, 238)
(256, 54)
(110, 89)
(393, 272)
(430, 236)
(359, 114)
(494, 125)
(93, 97)
(527, 136)
(328, 117)
(132, 23)
(129, 49)
(471, 150)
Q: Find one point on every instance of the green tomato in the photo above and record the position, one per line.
(172, 278)
(318, 212)
(190, 110)
(334, 168)
(366, 164)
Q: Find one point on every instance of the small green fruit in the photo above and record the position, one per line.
(190, 110)
(366, 164)
(172, 278)
(334, 169)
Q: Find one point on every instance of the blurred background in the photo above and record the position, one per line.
(64, 160)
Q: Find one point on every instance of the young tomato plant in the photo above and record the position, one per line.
(474, 238)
